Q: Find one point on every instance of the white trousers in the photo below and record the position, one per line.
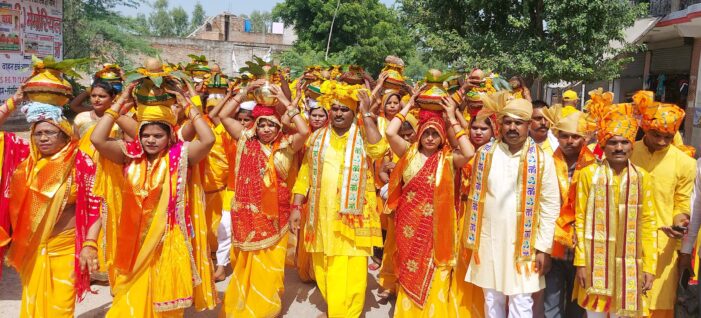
(520, 305)
(224, 239)
(595, 314)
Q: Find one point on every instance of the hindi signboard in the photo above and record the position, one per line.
(27, 27)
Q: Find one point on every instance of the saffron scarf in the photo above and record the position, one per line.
(612, 238)
(527, 192)
(352, 194)
(564, 229)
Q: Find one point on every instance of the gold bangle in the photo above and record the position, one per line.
(460, 134)
(10, 104)
(400, 116)
(112, 113)
(90, 243)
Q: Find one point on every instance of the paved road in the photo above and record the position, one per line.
(299, 299)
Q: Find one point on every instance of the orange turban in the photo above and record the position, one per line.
(665, 118)
(617, 122)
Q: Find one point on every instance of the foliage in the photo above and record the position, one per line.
(547, 39)
(259, 20)
(164, 21)
(181, 23)
(92, 28)
(198, 16)
(161, 20)
(364, 31)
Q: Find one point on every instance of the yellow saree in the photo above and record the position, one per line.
(157, 262)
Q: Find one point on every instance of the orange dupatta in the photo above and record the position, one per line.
(564, 226)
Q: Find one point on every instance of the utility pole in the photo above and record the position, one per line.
(328, 43)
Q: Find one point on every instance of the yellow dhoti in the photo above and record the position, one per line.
(48, 284)
(257, 282)
(342, 281)
(435, 305)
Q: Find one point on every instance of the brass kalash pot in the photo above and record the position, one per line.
(47, 83)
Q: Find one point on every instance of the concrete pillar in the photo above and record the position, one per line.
(693, 103)
(615, 88)
(646, 68)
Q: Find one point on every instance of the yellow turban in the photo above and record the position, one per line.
(333, 92)
(155, 114)
(599, 104)
(503, 104)
(568, 119)
(618, 122)
(665, 118)
(413, 121)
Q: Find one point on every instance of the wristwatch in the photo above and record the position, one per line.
(369, 115)
(292, 112)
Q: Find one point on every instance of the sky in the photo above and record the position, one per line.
(213, 7)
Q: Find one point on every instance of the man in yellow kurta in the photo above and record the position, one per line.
(336, 180)
(615, 224)
(673, 173)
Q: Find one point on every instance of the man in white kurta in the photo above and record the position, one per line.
(497, 270)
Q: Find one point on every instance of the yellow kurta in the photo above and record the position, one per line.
(647, 228)
(340, 261)
(329, 201)
(672, 174)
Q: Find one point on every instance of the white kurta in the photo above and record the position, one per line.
(497, 268)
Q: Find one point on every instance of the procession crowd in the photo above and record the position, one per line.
(470, 198)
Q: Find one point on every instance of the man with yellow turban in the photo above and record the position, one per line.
(572, 129)
(616, 245)
(336, 180)
(510, 219)
(673, 174)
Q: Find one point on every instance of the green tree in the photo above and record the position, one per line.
(161, 20)
(198, 17)
(364, 31)
(550, 40)
(181, 23)
(93, 28)
(260, 20)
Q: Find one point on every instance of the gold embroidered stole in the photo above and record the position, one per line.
(527, 193)
(612, 239)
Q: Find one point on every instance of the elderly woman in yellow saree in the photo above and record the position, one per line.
(422, 195)
(261, 206)
(155, 210)
(54, 225)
